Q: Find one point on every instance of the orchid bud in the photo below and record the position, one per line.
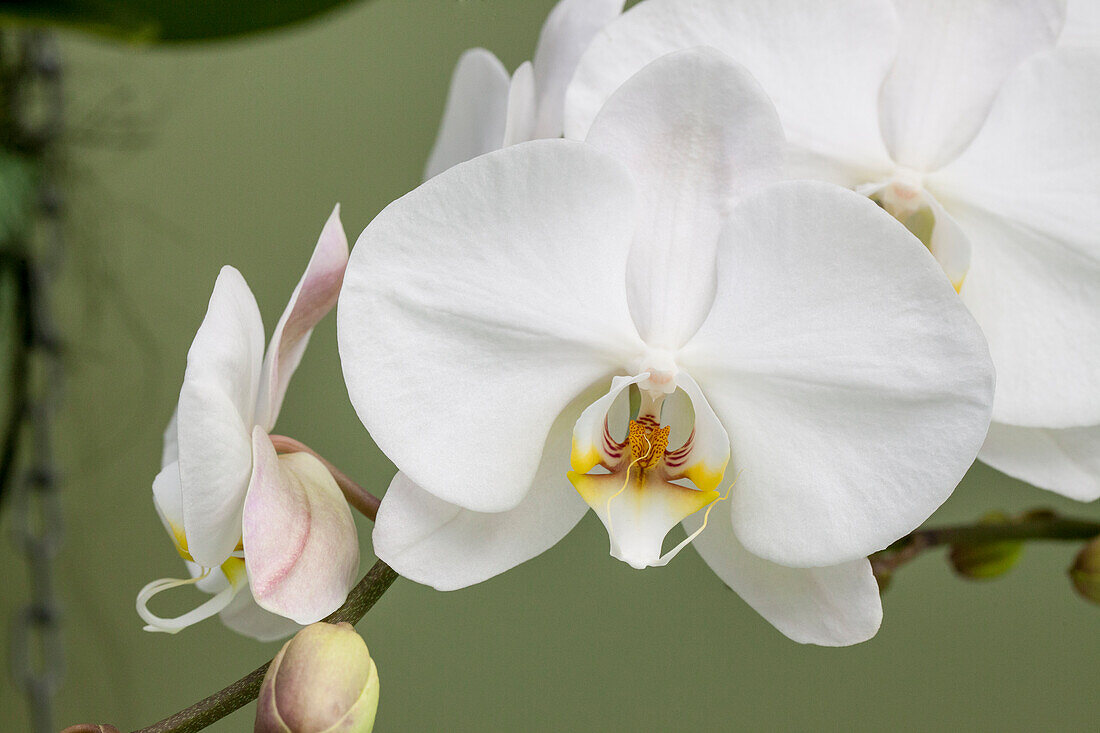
(1085, 572)
(321, 681)
(985, 560)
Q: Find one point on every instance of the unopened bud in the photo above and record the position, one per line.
(1085, 572)
(321, 681)
(986, 559)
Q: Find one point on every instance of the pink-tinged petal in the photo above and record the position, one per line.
(1063, 460)
(837, 605)
(821, 63)
(477, 307)
(695, 130)
(245, 616)
(313, 297)
(215, 417)
(568, 30)
(519, 126)
(475, 114)
(300, 545)
(447, 547)
(855, 387)
(951, 61)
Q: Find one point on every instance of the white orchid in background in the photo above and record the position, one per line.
(487, 110)
(492, 320)
(271, 536)
(966, 122)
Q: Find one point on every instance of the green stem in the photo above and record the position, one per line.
(205, 712)
(1034, 525)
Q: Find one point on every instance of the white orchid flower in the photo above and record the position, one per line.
(488, 110)
(1082, 26)
(964, 121)
(492, 320)
(271, 536)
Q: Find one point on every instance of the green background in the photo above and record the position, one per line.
(186, 158)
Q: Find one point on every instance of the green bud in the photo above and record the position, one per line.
(1085, 571)
(987, 559)
(321, 681)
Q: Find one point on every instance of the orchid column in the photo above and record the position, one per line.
(789, 344)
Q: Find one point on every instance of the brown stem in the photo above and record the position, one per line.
(364, 501)
(1033, 525)
(205, 712)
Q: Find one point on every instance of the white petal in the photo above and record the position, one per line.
(520, 119)
(1038, 303)
(593, 439)
(1065, 461)
(245, 616)
(313, 297)
(1027, 193)
(855, 388)
(837, 605)
(474, 118)
(478, 306)
(447, 547)
(821, 65)
(565, 35)
(696, 130)
(215, 417)
(170, 453)
(951, 61)
(300, 544)
(709, 453)
(1082, 26)
(168, 500)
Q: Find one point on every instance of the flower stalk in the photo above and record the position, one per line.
(1034, 525)
(229, 699)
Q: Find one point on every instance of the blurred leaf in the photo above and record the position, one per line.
(165, 20)
(17, 178)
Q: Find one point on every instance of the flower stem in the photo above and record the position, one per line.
(1034, 525)
(205, 712)
(363, 501)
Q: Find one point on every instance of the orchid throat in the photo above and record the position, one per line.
(636, 497)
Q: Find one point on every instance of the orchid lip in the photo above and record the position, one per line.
(638, 498)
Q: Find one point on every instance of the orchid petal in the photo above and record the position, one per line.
(1082, 26)
(519, 123)
(837, 605)
(1065, 461)
(313, 297)
(245, 616)
(821, 68)
(234, 578)
(301, 548)
(447, 547)
(568, 30)
(855, 388)
(474, 116)
(170, 453)
(696, 130)
(1038, 303)
(1025, 192)
(951, 61)
(703, 459)
(215, 417)
(593, 444)
(478, 306)
(168, 500)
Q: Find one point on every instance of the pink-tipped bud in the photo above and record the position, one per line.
(321, 681)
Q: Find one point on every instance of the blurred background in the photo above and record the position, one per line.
(181, 158)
